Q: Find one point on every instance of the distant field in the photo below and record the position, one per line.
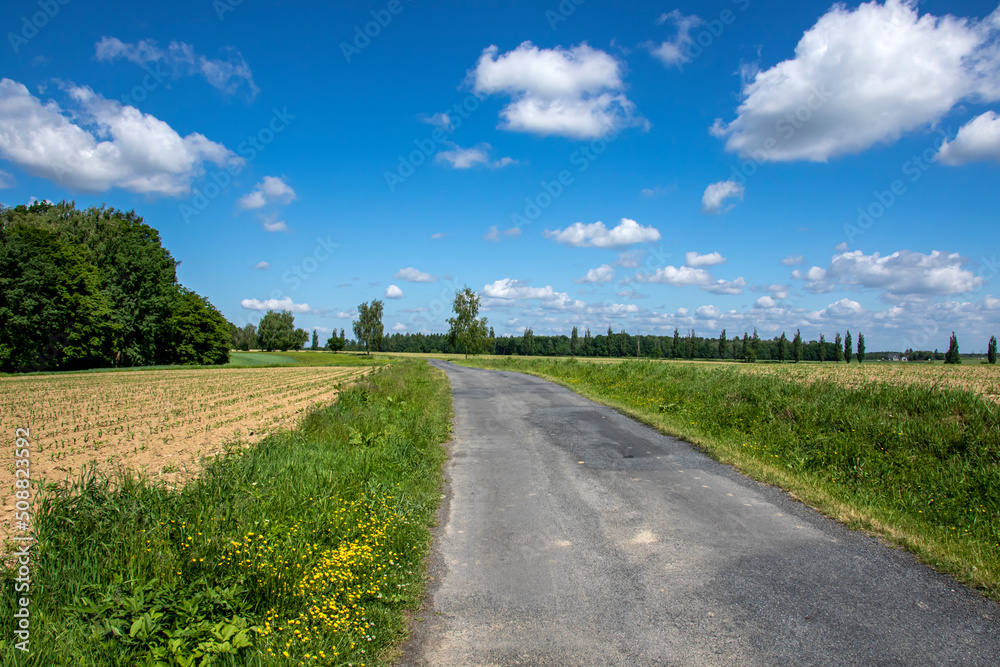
(158, 422)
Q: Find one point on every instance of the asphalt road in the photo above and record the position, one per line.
(571, 535)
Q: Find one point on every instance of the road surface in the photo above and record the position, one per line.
(571, 535)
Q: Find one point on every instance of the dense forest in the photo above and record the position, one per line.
(95, 288)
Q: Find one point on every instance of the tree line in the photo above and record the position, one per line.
(95, 288)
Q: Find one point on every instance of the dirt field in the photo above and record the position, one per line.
(159, 422)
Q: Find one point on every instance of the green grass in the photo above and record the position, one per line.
(244, 359)
(264, 554)
(915, 465)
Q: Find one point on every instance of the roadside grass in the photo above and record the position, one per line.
(305, 548)
(918, 466)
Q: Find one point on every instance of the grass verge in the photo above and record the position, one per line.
(915, 465)
(303, 549)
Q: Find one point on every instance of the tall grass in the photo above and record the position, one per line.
(303, 549)
(919, 466)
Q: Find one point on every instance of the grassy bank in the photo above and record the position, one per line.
(917, 465)
(303, 549)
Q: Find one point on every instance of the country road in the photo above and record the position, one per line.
(571, 535)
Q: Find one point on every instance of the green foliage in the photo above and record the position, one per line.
(244, 339)
(467, 331)
(277, 331)
(861, 348)
(722, 344)
(847, 347)
(574, 341)
(838, 348)
(197, 332)
(821, 351)
(991, 350)
(335, 343)
(782, 344)
(92, 288)
(951, 356)
(315, 341)
(528, 345)
(225, 569)
(797, 346)
(368, 328)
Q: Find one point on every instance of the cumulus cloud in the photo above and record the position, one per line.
(393, 292)
(674, 52)
(262, 266)
(596, 235)
(507, 291)
(711, 259)
(707, 313)
(862, 76)
(576, 92)
(272, 224)
(726, 286)
(716, 194)
(399, 326)
(271, 189)
(764, 302)
(276, 304)
(977, 141)
(602, 274)
(100, 144)
(465, 158)
(684, 276)
(901, 273)
(229, 75)
(413, 275)
(793, 260)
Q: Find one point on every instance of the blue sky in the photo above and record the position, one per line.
(729, 164)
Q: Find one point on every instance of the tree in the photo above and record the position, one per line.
(782, 342)
(847, 346)
(838, 351)
(951, 356)
(197, 332)
(277, 331)
(822, 347)
(676, 349)
(528, 346)
(468, 331)
(315, 343)
(749, 353)
(299, 338)
(588, 342)
(755, 344)
(991, 350)
(861, 348)
(573, 340)
(722, 344)
(368, 328)
(691, 345)
(797, 346)
(335, 343)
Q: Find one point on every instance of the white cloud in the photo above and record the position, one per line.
(271, 189)
(991, 303)
(494, 234)
(441, 120)
(100, 144)
(764, 302)
(414, 276)
(272, 224)
(438, 235)
(262, 266)
(393, 292)
(576, 92)
(977, 141)
(794, 260)
(716, 195)
(347, 314)
(506, 291)
(675, 51)
(841, 247)
(276, 304)
(596, 235)
(399, 326)
(684, 276)
(726, 286)
(464, 158)
(228, 76)
(711, 259)
(863, 76)
(707, 313)
(602, 274)
(901, 273)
